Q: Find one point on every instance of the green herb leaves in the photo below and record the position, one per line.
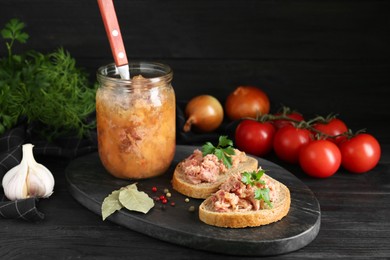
(13, 32)
(263, 194)
(128, 197)
(223, 151)
(46, 90)
(254, 179)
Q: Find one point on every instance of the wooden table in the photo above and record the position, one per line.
(315, 56)
(355, 223)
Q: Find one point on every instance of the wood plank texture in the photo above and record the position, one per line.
(89, 183)
(303, 53)
(354, 224)
(249, 29)
(315, 56)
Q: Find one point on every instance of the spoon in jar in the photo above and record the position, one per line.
(114, 35)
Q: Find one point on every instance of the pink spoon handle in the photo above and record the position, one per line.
(114, 35)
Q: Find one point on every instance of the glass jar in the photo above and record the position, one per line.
(136, 124)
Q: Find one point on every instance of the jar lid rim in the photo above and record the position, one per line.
(164, 69)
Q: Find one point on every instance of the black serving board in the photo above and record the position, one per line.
(89, 183)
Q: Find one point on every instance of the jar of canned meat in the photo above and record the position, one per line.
(136, 124)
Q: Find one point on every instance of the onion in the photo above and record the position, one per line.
(247, 101)
(204, 112)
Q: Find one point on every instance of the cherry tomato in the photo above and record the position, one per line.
(254, 137)
(361, 153)
(288, 141)
(320, 158)
(332, 127)
(282, 122)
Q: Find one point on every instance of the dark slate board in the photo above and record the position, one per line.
(89, 183)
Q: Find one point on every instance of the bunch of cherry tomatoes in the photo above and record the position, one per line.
(320, 146)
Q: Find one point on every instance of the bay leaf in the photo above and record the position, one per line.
(111, 204)
(133, 199)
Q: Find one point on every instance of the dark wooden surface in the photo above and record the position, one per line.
(89, 183)
(314, 56)
(355, 213)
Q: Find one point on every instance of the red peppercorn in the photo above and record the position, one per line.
(162, 197)
(154, 188)
(172, 204)
(164, 201)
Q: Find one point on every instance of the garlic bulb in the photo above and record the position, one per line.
(28, 179)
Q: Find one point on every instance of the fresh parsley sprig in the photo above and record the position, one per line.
(13, 32)
(254, 178)
(224, 150)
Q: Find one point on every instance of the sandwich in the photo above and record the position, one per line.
(201, 173)
(246, 199)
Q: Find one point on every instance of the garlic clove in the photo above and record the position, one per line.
(40, 181)
(14, 182)
(28, 179)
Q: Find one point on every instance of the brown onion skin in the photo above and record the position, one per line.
(246, 101)
(204, 113)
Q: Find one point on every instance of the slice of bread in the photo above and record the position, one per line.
(252, 218)
(204, 190)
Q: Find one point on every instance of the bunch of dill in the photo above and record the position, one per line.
(47, 90)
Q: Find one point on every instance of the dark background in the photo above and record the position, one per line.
(318, 57)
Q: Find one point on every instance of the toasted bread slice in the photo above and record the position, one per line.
(204, 190)
(252, 218)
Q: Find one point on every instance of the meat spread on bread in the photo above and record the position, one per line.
(198, 168)
(239, 203)
(237, 192)
(198, 176)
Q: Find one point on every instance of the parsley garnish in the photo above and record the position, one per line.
(254, 178)
(223, 151)
(13, 32)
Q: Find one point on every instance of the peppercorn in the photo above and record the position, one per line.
(187, 200)
(191, 209)
(168, 194)
(154, 188)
